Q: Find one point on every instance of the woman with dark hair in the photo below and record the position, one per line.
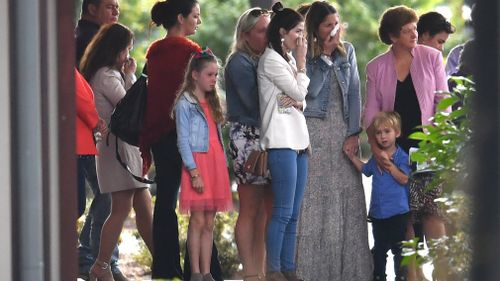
(332, 239)
(109, 69)
(167, 59)
(406, 79)
(282, 89)
(250, 41)
(433, 30)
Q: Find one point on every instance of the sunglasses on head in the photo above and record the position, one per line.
(258, 12)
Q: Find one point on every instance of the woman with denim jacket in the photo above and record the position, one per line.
(242, 98)
(332, 240)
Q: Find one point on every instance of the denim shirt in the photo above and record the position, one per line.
(192, 129)
(321, 74)
(242, 94)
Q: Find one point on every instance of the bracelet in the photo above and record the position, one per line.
(194, 176)
(302, 70)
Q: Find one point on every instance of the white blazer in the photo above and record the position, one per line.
(281, 127)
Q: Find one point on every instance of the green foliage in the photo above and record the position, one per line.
(223, 238)
(219, 21)
(454, 250)
(218, 24)
(445, 146)
(143, 256)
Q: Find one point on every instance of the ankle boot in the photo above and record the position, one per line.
(275, 276)
(196, 277)
(291, 276)
(208, 277)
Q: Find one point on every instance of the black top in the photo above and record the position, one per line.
(406, 104)
(84, 32)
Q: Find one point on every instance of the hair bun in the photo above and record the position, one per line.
(277, 7)
(159, 12)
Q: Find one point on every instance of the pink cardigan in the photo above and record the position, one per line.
(428, 75)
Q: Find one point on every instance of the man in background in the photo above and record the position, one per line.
(95, 13)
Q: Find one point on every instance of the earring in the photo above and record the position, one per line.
(282, 42)
(314, 39)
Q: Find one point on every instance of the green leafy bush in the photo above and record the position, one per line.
(445, 146)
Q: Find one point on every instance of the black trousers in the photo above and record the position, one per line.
(166, 256)
(388, 234)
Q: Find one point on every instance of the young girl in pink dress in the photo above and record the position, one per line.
(205, 180)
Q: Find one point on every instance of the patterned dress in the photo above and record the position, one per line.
(332, 240)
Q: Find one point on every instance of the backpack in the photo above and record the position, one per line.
(126, 119)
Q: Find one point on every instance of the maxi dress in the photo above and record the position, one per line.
(332, 240)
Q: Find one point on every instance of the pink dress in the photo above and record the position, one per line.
(213, 171)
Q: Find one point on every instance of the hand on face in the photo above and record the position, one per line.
(301, 49)
(129, 66)
(330, 44)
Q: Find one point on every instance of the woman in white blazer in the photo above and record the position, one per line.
(282, 91)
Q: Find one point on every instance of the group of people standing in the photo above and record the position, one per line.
(292, 90)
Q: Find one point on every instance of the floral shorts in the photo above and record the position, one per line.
(243, 140)
(422, 199)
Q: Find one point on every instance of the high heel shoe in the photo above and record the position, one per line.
(100, 271)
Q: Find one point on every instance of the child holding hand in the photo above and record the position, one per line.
(389, 206)
(205, 179)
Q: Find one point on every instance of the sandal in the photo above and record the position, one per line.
(100, 271)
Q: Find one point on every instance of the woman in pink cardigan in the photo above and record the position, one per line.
(408, 79)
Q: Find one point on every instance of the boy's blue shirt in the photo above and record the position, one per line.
(389, 198)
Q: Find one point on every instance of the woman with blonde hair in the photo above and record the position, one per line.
(242, 97)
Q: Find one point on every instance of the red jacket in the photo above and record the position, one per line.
(167, 60)
(87, 117)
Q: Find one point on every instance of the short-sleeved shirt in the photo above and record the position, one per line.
(389, 198)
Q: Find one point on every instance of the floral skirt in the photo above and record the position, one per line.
(244, 139)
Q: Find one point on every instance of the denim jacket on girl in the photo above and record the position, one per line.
(192, 129)
(319, 90)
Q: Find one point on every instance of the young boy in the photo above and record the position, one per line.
(389, 201)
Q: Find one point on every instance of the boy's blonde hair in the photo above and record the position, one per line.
(392, 119)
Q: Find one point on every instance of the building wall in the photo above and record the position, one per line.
(5, 169)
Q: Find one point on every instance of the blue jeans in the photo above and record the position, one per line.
(289, 176)
(90, 236)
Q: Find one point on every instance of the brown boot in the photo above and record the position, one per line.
(275, 276)
(291, 276)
